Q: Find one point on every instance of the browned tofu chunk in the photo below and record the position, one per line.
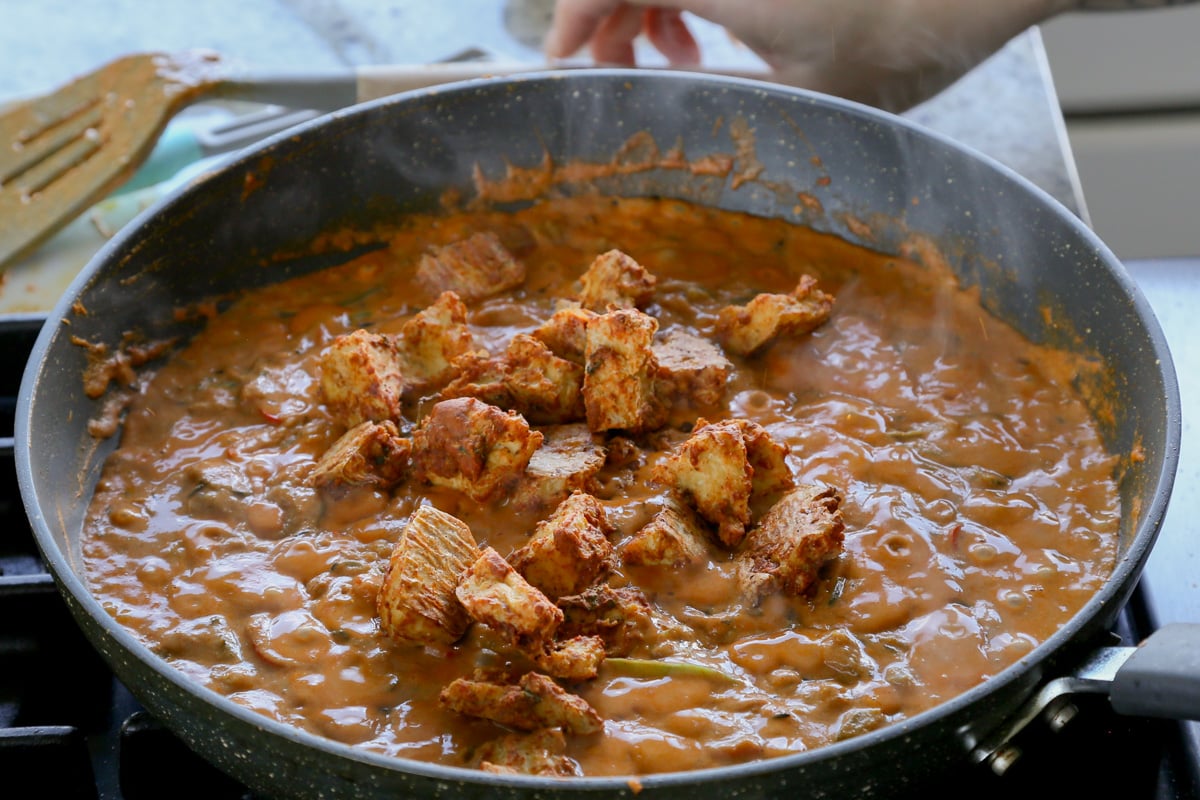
(527, 378)
(691, 369)
(615, 280)
(565, 333)
(745, 329)
(570, 550)
(369, 454)
(496, 595)
(362, 378)
(711, 472)
(621, 618)
(568, 460)
(546, 389)
(474, 268)
(433, 339)
(786, 549)
(675, 537)
(576, 659)
(714, 471)
(480, 375)
(416, 601)
(475, 448)
(534, 702)
(767, 457)
(619, 373)
(539, 753)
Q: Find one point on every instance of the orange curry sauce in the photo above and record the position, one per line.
(979, 504)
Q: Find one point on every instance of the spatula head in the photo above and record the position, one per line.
(63, 152)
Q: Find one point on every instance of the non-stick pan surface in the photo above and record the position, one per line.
(869, 177)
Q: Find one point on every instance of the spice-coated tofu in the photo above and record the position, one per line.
(433, 338)
(527, 378)
(565, 333)
(538, 753)
(745, 329)
(570, 550)
(711, 472)
(496, 595)
(534, 702)
(546, 389)
(692, 369)
(614, 279)
(480, 375)
(473, 447)
(768, 458)
(369, 454)
(576, 659)
(720, 467)
(620, 617)
(362, 378)
(416, 600)
(785, 551)
(568, 460)
(619, 373)
(474, 268)
(675, 537)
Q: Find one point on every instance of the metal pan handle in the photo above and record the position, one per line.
(1158, 678)
(1161, 677)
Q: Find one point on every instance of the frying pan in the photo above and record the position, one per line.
(869, 177)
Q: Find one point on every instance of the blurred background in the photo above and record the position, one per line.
(1128, 83)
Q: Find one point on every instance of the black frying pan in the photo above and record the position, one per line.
(1026, 253)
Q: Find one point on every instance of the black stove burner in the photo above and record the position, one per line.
(70, 731)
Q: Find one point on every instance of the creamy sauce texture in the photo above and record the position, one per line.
(979, 503)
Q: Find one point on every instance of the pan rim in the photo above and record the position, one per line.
(1124, 572)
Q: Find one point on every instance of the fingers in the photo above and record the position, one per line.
(670, 35)
(611, 26)
(612, 42)
(574, 24)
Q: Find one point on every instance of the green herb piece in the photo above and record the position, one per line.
(650, 668)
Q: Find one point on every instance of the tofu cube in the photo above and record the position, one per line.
(620, 617)
(565, 333)
(433, 338)
(674, 538)
(787, 548)
(495, 594)
(615, 280)
(369, 454)
(567, 461)
(472, 447)
(577, 659)
(570, 550)
(538, 753)
(473, 268)
(416, 600)
(619, 373)
(533, 703)
(720, 468)
(691, 369)
(746, 329)
(711, 472)
(545, 389)
(362, 378)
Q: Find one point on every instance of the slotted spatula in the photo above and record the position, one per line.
(63, 152)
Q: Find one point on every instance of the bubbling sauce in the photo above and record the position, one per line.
(979, 504)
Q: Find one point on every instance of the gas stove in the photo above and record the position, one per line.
(71, 731)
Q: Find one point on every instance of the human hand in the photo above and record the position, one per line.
(888, 53)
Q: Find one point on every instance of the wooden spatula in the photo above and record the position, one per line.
(63, 152)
